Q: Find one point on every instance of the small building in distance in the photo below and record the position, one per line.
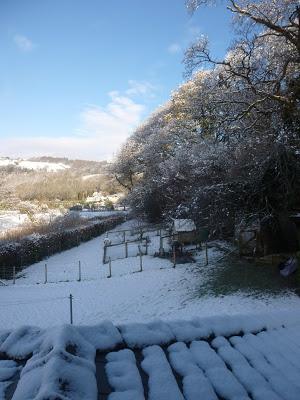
(184, 230)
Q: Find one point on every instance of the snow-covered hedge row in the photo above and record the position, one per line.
(36, 247)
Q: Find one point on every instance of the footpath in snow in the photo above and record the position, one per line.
(160, 291)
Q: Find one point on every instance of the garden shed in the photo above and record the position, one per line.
(184, 230)
(271, 235)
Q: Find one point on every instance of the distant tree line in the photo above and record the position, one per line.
(225, 147)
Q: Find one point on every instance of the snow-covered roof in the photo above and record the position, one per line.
(229, 357)
(184, 225)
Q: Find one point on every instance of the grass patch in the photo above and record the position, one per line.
(234, 275)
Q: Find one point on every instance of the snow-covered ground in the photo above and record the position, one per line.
(13, 219)
(92, 214)
(160, 291)
(33, 165)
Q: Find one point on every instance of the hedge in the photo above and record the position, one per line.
(37, 247)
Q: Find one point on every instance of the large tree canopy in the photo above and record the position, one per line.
(226, 145)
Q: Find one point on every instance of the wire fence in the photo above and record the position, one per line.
(133, 234)
(67, 302)
(48, 273)
(131, 242)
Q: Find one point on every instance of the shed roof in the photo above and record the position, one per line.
(184, 225)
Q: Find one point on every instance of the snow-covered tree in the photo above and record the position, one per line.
(226, 144)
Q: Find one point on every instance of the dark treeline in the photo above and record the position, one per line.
(225, 147)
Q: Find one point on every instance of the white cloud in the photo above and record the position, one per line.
(23, 43)
(140, 88)
(74, 147)
(118, 118)
(174, 48)
(101, 132)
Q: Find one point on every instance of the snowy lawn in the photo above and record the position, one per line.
(11, 219)
(160, 291)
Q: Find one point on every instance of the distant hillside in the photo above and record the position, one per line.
(48, 179)
(87, 165)
(6, 162)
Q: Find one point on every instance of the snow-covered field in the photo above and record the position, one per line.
(14, 219)
(92, 214)
(33, 165)
(160, 291)
(10, 220)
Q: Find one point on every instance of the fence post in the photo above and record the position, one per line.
(71, 309)
(126, 249)
(79, 271)
(104, 254)
(174, 257)
(141, 259)
(14, 275)
(124, 236)
(161, 249)
(206, 254)
(46, 273)
(109, 267)
(146, 247)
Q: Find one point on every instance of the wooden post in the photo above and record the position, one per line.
(109, 267)
(161, 249)
(146, 247)
(71, 309)
(14, 275)
(104, 254)
(46, 273)
(206, 254)
(126, 249)
(174, 257)
(79, 271)
(141, 259)
(124, 236)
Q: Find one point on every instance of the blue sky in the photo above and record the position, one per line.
(76, 76)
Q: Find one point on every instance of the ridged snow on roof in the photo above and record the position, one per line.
(184, 225)
(237, 357)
